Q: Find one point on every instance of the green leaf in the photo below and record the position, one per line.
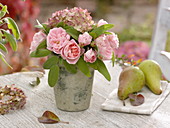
(82, 65)
(46, 28)
(93, 65)
(11, 40)
(70, 67)
(50, 62)
(42, 45)
(103, 70)
(4, 41)
(72, 32)
(3, 59)
(43, 27)
(113, 59)
(108, 33)
(36, 82)
(100, 30)
(39, 25)
(3, 11)
(1, 35)
(13, 26)
(61, 24)
(2, 47)
(53, 75)
(40, 53)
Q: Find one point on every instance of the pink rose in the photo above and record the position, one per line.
(71, 52)
(113, 40)
(37, 39)
(101, 22)
(56, 39)
(104, 49)
(90, 56)
(84, 39)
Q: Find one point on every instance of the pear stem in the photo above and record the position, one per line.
(124, 103)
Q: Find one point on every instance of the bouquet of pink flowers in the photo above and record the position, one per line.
(71, 39)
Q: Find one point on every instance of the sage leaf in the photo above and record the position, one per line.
(40, 53)
(102, 69)
(11, 40)
(82, 65)
(70, 67)
(3, 59)
(1, 35)
(53, 75)
(13, 26)
(49, 117)
(3, 11)
(50, 62)
(136, 100)
(3, 48)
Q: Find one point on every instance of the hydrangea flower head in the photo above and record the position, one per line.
(79, 18)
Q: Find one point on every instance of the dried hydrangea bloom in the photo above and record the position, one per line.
(79, 18)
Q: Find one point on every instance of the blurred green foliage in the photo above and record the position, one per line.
(141, 32)
(138, 32)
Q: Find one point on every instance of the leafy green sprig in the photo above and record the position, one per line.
(5, 35)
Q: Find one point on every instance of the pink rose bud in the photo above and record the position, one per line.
(90, 56)
(84, 39)
(113, 40)
(104, 49)
(56, 39)
(71, 52)
(101, 22)
(37, 39)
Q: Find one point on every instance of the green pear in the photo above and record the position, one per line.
(153, 74)
(131, 80)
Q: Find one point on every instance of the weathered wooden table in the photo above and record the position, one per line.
(41, 98)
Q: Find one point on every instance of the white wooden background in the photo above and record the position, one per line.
(41, 98)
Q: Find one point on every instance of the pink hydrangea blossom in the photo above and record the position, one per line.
(90, 56)
(104, 49)
(139, 50)
(113, 40)
(56, 39)
(71, 52)
(37, 39)
(84, 39)
(101, 22)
